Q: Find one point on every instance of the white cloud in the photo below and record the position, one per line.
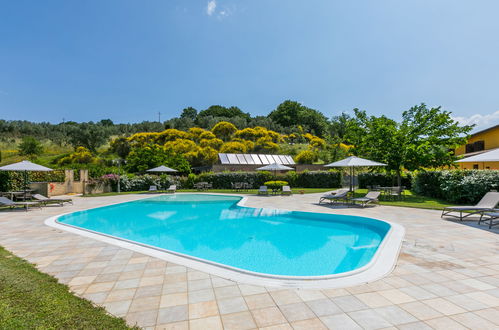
(210, 8)
(481, 121)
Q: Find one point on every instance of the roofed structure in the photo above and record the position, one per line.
(254, 159)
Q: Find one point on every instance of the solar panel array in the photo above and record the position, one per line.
(255, 159)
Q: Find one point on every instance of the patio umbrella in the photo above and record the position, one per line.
(352, 162)
(162, 169)
(275, 167)
(25, 166)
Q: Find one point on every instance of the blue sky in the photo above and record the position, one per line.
(127, 60)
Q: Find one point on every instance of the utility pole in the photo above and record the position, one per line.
(159, 116)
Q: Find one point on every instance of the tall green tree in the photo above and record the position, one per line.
(88, 135)
(30, 147)
(425, 137)
(292, 113)
(189, 113)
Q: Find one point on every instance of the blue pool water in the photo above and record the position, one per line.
(214, 228)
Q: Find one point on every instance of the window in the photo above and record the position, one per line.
(479, 146)
(475, 166)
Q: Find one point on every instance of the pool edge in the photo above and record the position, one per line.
(380, 265)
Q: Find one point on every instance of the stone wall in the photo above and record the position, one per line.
(69, 186)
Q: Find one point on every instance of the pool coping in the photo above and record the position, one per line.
(380, 265)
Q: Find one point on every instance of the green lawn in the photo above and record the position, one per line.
(30, 299)
(410, 199)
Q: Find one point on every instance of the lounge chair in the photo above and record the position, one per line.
(45, 200)
(172, 189)
(334, 196)
(263, 190)
(153, 189)
(492, 220)
(488, 202)
(4, 201)
(286, 190)
(370, 197)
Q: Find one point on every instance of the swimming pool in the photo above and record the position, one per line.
(215, 229)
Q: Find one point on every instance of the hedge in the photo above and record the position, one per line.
(223, 180)
(314, 179)
(14, 181)
(306, 179)
(456, 186)
(383, 180)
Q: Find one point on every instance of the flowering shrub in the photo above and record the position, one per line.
(142, 182)
(456, 186)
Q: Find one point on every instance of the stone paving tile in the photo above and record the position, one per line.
(238, 321)
(447, 277)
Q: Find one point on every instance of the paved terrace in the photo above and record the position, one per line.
(447, 277)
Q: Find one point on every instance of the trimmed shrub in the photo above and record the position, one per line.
(275, 184)
(456, 186)
(223, 180)
(383, 179)
(315, 179)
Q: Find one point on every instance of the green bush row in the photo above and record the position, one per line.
(456, 186)
(383, 180)
(306, 179)
(12, 181)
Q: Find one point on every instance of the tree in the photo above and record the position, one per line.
(120, 146)
(221, 111)
(30, 147)
(424, 138)
(292, 113)
(306, 157)
(224, 130)
(153, 155)
(189, 113)
(88, 135)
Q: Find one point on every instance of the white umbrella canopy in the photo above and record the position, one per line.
(275, 167)
(162, 169)
(353, 162)
(25, 166)
(489, 156)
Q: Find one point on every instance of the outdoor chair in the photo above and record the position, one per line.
(4, 201)
(153, 189)
(263, 190)
(45, 200)
(370, 197)
(172, 189)
(492, 220)
(488, 203)
(286, 190)
(334, 196)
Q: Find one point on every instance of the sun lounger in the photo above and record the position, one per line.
(370, 197)
(492, 218)
(263, 190)
(45, 200)
(334, 196)
(286, 190)
(4, 201)
(488, 203)
(153, 189)
(172, 189)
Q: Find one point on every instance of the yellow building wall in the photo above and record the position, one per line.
(481, 166)
(491, 139)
